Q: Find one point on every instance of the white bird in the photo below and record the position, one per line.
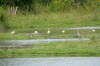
(63, 31)
(35, 32)
(48, 32)
(93, 30)
(13, 32)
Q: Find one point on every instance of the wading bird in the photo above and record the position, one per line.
(33, 34)
(48, 32)
(63, 31)
(93, 30)
(13, 32)
(78, 33)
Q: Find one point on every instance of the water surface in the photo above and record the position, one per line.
(14, 43)
(58, 61)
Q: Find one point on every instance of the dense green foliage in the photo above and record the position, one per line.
(3, 20)
(55, 5)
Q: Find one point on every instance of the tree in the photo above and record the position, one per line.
(2, 2)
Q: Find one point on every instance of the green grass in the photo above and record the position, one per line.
(56, 21)
(45, 20)
(55, 34)
(65, 49)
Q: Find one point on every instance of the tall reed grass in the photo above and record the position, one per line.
(66, 19)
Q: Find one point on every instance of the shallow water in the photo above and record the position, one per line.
(61, 61)
(84, 28)
(14, 43)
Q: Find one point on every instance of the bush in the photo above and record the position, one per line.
(3, 20)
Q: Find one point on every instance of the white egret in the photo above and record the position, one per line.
(13, 32)
(63, 31)
(35, 32)
(48, 32)
(93, 30)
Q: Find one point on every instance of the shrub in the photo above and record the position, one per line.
(3, 20)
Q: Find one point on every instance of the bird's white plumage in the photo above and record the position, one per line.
(63, 31)
(93, 30)
(48, 32)
(35, 32)
(13, 32)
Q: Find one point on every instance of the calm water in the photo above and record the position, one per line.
(15, 43)
(63, 61)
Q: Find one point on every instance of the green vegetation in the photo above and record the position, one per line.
(55, 34)
(37, 6)
(56, 21)
(45, 20)
(65, 49)
(27, 16)
(43, 14)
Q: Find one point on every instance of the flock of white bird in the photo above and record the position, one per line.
(48, 32)
(36, 32)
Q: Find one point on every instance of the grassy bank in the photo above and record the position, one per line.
(74, 18)
(55, 34)
(56, 21)
(49, 20)
(65, 49)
